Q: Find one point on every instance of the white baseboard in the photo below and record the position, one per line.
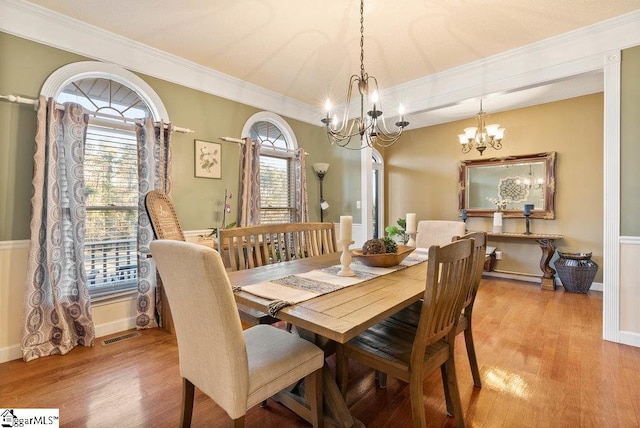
(115, 326)
(629, 338)
(14, 352)
(595, 286)
(9, 353)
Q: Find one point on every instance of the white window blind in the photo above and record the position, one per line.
(276, 190)
(111, 189)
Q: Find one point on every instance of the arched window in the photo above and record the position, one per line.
(110, 168)
(277, 169)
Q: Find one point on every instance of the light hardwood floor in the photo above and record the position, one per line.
(542, 359)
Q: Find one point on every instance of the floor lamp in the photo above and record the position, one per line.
(321, 170)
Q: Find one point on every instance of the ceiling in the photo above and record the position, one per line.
(306, 50)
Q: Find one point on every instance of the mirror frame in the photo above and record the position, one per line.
(549, 211)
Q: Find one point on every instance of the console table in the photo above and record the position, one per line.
(547, 281)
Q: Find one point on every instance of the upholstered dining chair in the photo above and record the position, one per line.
(165, 225)
(411, 314)
(438, 232)
(236, 369)
(410, 353)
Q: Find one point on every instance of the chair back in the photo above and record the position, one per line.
(253, 246)
(162, 216)
(479, 253)
(211, 346)
(438, 232)
(448, 272)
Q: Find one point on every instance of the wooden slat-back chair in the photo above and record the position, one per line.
(410, 353)
(253, 246)
(411, 314)
(165, 225)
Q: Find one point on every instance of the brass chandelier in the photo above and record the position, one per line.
(482, 136)
(370, 127)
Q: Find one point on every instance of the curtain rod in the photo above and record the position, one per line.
(34, 103)
(241, 141)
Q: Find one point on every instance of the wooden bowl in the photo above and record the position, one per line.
(383, 260)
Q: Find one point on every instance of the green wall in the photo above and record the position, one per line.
(629, 143)
(24, 67)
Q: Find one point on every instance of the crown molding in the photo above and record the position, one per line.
(50, 28)
(575, 53)
(557, 58)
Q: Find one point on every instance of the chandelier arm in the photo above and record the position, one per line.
(345, 114)
(339, 137)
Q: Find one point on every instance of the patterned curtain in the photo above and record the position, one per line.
(302, 200)
(57, 306)
(154, 173)
(249, 186)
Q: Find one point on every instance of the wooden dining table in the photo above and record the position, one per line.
(334, 317)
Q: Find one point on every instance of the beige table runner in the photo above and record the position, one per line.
(297, 288)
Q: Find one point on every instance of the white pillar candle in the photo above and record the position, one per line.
(411, 222)
(346, 222)
(497, 222)
(497, 219)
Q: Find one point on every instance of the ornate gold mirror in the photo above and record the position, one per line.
(512, 181)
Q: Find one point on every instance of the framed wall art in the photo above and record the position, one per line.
(208, 159)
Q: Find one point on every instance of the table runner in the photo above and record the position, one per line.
(292, 289)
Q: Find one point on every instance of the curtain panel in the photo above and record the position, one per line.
(57, 305)
(301, 197)
(154, 173)
(249, 186)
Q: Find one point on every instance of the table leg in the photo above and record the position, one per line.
(548, 280)
(336, 412)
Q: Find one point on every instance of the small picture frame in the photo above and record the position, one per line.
(208, 159)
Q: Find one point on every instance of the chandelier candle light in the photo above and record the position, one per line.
(370, 127)
(482, 136)
(346, 224)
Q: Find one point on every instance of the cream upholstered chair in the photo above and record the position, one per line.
(410, 353)
(438, 232)
(237, 369)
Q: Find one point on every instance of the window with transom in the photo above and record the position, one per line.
(110, 167)
(277, 177)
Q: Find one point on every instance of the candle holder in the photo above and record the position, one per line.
(412, 239)
(527, 231)
(527, 212)
(345, 259)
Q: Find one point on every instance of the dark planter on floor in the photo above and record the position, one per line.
(576, 271)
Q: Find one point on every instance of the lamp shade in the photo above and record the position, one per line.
(320, 168)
